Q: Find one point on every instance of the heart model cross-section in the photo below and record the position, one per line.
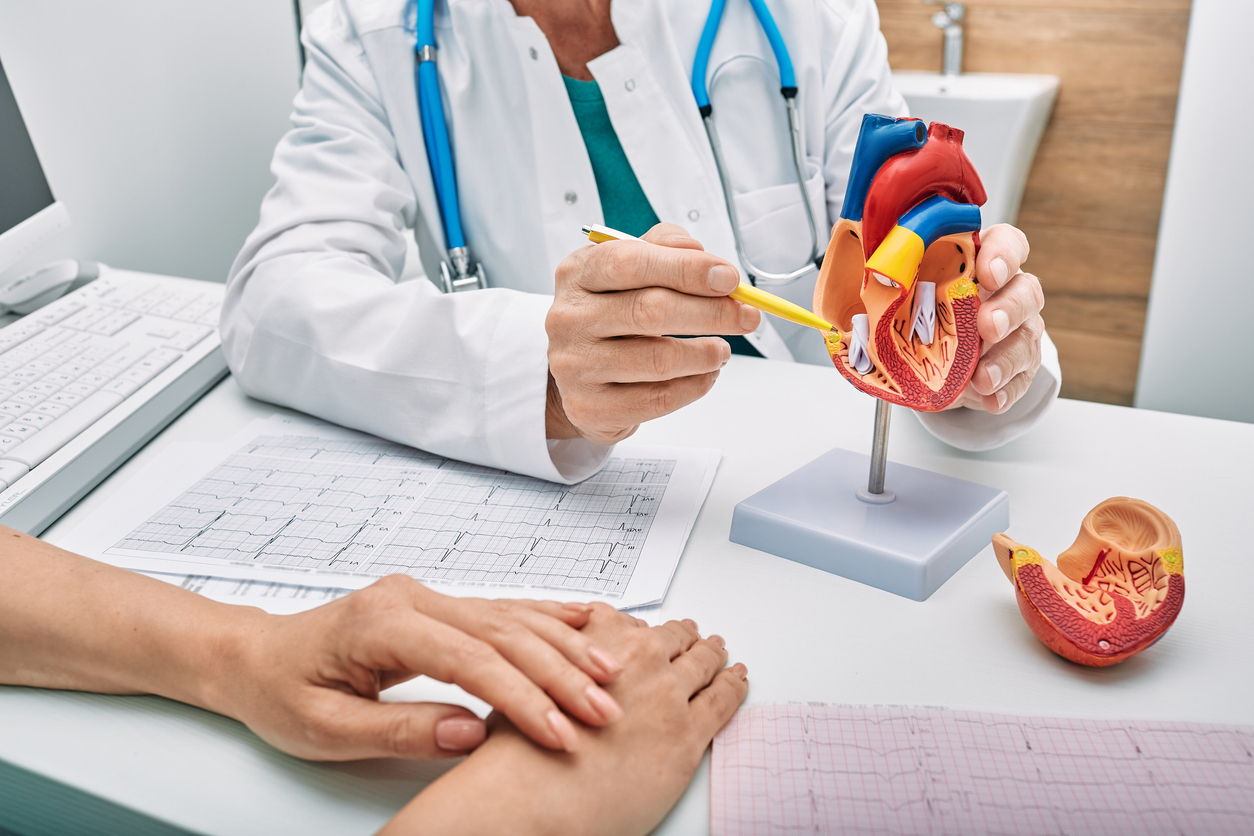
(898, 280)
(1112, 594)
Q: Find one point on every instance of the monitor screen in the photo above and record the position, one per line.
(24, 190)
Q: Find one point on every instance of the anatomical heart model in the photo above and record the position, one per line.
(1112, 594)
(898, 278)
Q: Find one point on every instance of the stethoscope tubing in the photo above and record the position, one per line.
(435, 128)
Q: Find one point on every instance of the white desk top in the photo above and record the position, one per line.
(804, 635)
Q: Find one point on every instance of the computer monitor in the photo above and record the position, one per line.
(31, 220)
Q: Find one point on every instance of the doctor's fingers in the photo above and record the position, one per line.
(1006, 396)
(1003, 249)
(624, 265)
(647, 359)
(672, 235)
(504, 623)
(607, 413)
(659, 311)
(1004, 361)
(441, 651)
(1002, 313)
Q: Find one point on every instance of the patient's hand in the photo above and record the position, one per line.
(624, 777)
(309, 683)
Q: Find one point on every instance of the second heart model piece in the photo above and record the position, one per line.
(898, 280)
(898, 285)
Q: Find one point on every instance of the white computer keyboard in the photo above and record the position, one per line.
(69, 364)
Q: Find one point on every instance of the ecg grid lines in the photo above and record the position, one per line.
(791, 769)
(376, 508)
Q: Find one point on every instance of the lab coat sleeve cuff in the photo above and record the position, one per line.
(517, 387)
(974, 430)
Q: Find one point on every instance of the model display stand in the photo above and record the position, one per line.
(1113, 593)
(898, 285)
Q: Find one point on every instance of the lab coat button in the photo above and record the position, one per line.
(535, 56)
(630, 85)
(693, 214)
(571, 197)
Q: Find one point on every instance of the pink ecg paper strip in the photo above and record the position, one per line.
(816, 769)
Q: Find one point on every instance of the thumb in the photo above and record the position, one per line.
(419, 731)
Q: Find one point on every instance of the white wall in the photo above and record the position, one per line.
(1195, 357)
(155, 119)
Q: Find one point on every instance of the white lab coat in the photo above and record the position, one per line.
(315, 317)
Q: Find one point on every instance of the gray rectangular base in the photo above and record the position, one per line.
(908, 547)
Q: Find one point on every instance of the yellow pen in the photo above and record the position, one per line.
(750, 295)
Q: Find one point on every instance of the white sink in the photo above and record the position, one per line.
(1003, 116)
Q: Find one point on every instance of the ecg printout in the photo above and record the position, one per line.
(815, 769)
(315, 505)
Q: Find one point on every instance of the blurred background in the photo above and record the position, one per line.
(155, 121)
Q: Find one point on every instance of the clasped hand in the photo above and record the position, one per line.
(310, 682)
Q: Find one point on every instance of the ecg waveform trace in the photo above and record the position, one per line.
(816, 769)
(376, 508)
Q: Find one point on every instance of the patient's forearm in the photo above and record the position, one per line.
(72, 623)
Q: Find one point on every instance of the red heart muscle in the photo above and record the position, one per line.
(898, 277)
(1112, 594)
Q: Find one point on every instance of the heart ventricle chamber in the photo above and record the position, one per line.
(1112, 594)
(898, 280)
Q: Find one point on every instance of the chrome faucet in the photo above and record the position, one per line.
(949, 21)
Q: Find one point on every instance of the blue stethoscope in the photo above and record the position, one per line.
(461, 272)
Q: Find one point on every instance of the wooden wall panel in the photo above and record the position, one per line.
(1094, 195)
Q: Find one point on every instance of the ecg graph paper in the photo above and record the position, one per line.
(375, 508)
(794, 769)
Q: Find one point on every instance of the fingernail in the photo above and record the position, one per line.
(741, 670)
(994, 376)
(1001, 323)
(456, 734)
(718, 640)
(607, 663)
(999, 270)
(748, 318)
(723, 279)
(603, 704)
(572, 606)
(692, 624)
(563, 731)
(726, 354)
(1001, 399)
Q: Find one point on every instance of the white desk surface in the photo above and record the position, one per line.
(804, 635)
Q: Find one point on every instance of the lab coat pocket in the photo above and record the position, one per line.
(773, 224)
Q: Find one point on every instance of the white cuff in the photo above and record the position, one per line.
(516, 392)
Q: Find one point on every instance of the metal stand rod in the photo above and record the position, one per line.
(879, 447)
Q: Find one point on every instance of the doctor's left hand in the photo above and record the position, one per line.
(1009, 322)
(309, 683)
(613, 363)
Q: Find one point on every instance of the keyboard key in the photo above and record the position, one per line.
(122, 387)
(29, 397)
(67, 398)
(37, 420)
(19, 430)
(69, 425)
(10, 472)
(14, 408)
(7, 443)
(49, 408)
(94, 378)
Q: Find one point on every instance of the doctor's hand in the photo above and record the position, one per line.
(309, 683)
(612, 362)
(1009, 322)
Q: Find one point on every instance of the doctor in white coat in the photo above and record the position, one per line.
(532, 375)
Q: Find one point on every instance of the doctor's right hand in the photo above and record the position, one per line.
(614, 361)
